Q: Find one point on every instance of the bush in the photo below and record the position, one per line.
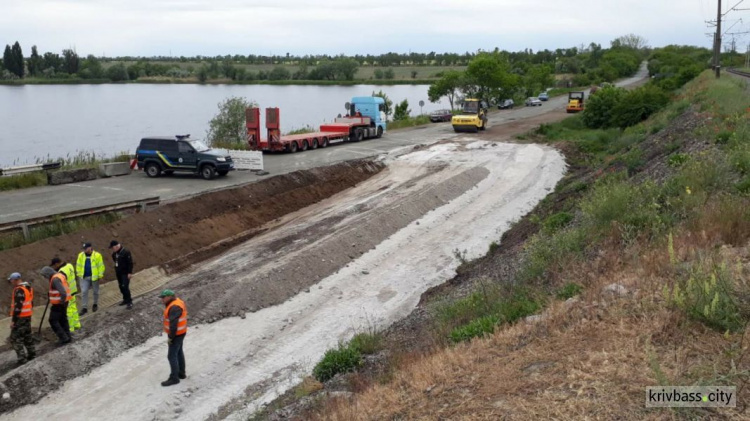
(709, 295)
(402, 111)
(637, 105)
(342, 359)
(118, 73)
(228, 125)
(479, 327)
(367, 342)
(555, 222)
(545, 253)
(599, 108)
(569, 290)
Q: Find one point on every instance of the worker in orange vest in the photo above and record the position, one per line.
(20, 312)
(175, 326)
(59, 296)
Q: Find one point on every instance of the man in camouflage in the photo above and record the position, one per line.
(20, 311)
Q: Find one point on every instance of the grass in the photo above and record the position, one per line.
(569, 290)
(347, 357)
(23, 181)
(56, 228)
(409, 122)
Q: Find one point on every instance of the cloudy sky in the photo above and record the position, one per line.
(218, 27)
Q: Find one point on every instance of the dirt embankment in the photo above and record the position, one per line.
(180, 228)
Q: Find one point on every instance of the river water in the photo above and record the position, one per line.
(53, 121)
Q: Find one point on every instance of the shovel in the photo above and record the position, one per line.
(43, 314)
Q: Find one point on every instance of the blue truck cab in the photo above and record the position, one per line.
(372, 107)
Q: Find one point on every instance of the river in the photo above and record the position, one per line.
(39, 122)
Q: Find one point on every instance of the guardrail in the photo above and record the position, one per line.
(29, 168)
(139, 205)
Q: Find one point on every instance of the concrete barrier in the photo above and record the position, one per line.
(71, 176)
(114, 169)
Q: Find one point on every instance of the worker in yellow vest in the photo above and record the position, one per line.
(90, 270)
(175, 326)
(70, 275)
(59, 296)
(21, 309)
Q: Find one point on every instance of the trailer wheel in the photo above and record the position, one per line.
(380, 132)
(324, 143)
(304, 146)
(315, 144)
(293, 147)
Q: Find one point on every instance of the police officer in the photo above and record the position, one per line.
(59, 296)
(175, 326)
(70, 275)
(20, 312)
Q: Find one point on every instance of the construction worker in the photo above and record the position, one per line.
(90, 269)
(59, 296)
(70, 276)
(175, 326)
(20, 312)
(124, 271)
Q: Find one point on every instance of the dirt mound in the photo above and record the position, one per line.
(181, 228)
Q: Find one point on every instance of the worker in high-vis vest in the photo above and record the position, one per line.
(90, 270)
(21, 309)
(175, 326)
(70, 275)
(59, 296)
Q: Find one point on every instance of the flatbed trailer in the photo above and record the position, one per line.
(341, 130)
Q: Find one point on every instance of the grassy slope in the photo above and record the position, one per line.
(660, 210)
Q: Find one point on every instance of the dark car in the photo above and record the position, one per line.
(506, 104)
(441, 115)
(157, 155)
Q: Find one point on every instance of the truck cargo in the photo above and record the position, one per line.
(365, 120)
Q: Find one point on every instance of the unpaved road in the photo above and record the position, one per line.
(384, 243)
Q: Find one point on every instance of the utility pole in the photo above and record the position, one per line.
(717, 43)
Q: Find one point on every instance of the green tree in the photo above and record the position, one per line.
(402, 111)
(599, 109)
(279, 73)
(35, 62)
(388, 103)
(388, 74)
(19, 63)
(637, 105)
(51, 61)
(446, 86)
(92, 67)
(8, 62)
(413, 74)
(71, 62)
(118, 72)
(488, 77)
(345, 68)
(378, 74)
(228, 125)
(203, 73)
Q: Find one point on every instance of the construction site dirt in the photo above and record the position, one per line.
(277, 271)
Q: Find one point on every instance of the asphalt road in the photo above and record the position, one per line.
(36, 202)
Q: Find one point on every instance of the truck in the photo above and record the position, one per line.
(473, 116)
(575, 102)
(365, 120)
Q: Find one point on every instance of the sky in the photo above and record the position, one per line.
(218, 27)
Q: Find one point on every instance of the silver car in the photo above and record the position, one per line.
(533, 102)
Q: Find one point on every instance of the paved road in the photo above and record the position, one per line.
(23, 204)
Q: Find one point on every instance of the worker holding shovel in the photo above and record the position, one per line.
(20, 312)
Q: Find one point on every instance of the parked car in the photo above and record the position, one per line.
(506, 104)
(166, 155)
(441, 115)
(543, 96)
(533, 102)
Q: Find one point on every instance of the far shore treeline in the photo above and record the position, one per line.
(564, 67)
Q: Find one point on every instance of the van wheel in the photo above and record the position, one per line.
(324, 144)
(293, 147)
(315, 144)
(208, 172)
(380, 132)
(304, 145)
(153, 169)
